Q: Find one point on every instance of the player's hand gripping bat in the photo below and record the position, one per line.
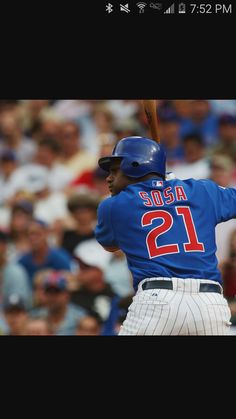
(150, 108)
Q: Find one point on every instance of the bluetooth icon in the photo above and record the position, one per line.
(109, 8)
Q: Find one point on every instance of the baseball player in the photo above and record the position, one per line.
(166, 228)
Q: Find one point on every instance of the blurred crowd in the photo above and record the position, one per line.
(55, 279)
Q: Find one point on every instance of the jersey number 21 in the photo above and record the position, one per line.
(192, 245)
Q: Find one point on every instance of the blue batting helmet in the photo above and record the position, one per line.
(139, 155)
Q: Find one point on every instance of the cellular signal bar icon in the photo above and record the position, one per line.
(171, 9)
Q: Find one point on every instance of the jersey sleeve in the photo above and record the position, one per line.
(104, 230)
(223, 199)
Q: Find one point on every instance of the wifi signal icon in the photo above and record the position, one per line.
(141, 6)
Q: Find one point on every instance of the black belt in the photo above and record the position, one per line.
(168, 285)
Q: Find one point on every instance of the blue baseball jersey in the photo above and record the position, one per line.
(167, 228)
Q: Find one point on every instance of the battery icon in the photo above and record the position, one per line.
(182, 8)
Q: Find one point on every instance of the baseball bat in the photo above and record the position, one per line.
(150, 108)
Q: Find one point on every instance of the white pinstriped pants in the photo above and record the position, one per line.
(181, 311)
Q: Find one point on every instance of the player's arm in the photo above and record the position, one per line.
(104, 231)
(226, 208)
(223, 199)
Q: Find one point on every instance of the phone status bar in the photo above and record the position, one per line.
(142, 8)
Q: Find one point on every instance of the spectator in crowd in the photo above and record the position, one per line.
(123, 109)
(88, 178)
(92, 182)
(227, 137)
(8, 105)
(182, 108)
(223, 106)
(118, 313)
(13, 138)
(229, 269)
(170, 136)
(39, 296)
(41, 254)
(48, 153)
(8, 166)
(99, 182)
(79, 111)
(118, 275)
(93, 292)
(83, 209)
(127, 128)
(221, 172)
(21, 215)
(13, 277)
(74, 157)
(72, 109)
(37, 327)
(50, 129)
(102, 120)
(50, 206)
(33, 179)
(202, 121)
(107, 142)
(90, 325)
(229, 280)
(196, 164)
(16, 315)
(26, 178)
(61, 315)
(33, 112)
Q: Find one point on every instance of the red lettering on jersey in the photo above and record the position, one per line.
(157, 198)
(151, 239)
(180, 194)
(169, 195)
(193, 244)
(145, 197)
